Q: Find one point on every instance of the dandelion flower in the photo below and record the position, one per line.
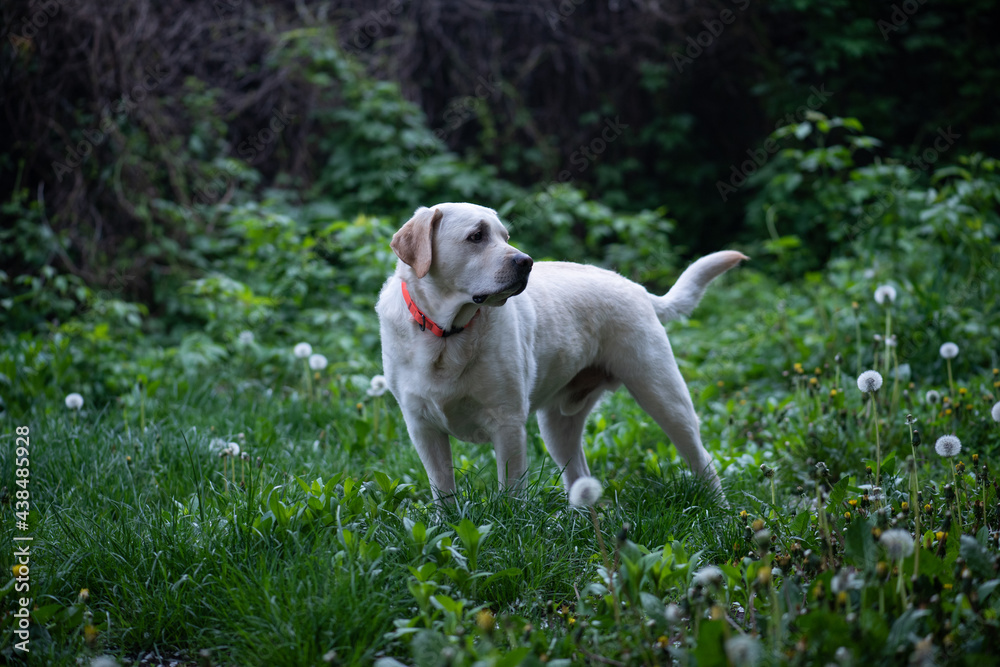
(585, 492)
(303, 350)
(948, 446)
(485, 620)
(869, 381)
(933, 397)
(898, 543)
(995, 411)
(74, 401)
(708, 576)
(883, 293)
(245, 337)
(317, 362)
(743, 650)
(949, 350)
(378, 386)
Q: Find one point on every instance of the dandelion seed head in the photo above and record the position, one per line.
(708, 576)
(234, 449)
(995, 411)
(898, 543)
(869, 381)
(378, 386)
(949, 350)
(885, 293)
(743, 650)
(673, 614)
(303, 350)
(585, 492)
(948, 446)
(74, 401)
(317, 362)
(245, 337)
(933, 397)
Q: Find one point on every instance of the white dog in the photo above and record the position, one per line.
(460, 364)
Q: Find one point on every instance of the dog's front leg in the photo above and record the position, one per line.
(434, 449)
(511, 446)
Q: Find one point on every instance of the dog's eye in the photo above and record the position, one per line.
(476, 238)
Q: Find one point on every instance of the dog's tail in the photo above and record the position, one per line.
(690, 287)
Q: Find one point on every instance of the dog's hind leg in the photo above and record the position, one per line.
(659, 389)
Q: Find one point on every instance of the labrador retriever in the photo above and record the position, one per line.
(461, 362)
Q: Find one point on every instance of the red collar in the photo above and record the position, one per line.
(426, 322)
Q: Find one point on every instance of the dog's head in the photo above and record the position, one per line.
(462, 249)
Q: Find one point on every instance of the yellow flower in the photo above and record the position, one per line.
(484, 619)
(905, 506)
(833, 393)
(842, 598)
(718, 613)
(940, 535)
(90, 634)
(17, 569)
(813, 381)
(758, 525)
(721, 383)
(84, 594)
(962, 391)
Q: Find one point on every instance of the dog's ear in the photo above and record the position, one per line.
(413, 242)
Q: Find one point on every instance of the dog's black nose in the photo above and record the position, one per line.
(522, 261)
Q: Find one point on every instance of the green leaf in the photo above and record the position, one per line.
(859, 547)
(43, 614)
(799, 524)
(709, 650)
(514, 657)
(837, 494)
(987, 588)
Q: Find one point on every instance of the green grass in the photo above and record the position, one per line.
(167, 549)
(355, 563)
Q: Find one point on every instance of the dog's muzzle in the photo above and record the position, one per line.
(520, 265)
